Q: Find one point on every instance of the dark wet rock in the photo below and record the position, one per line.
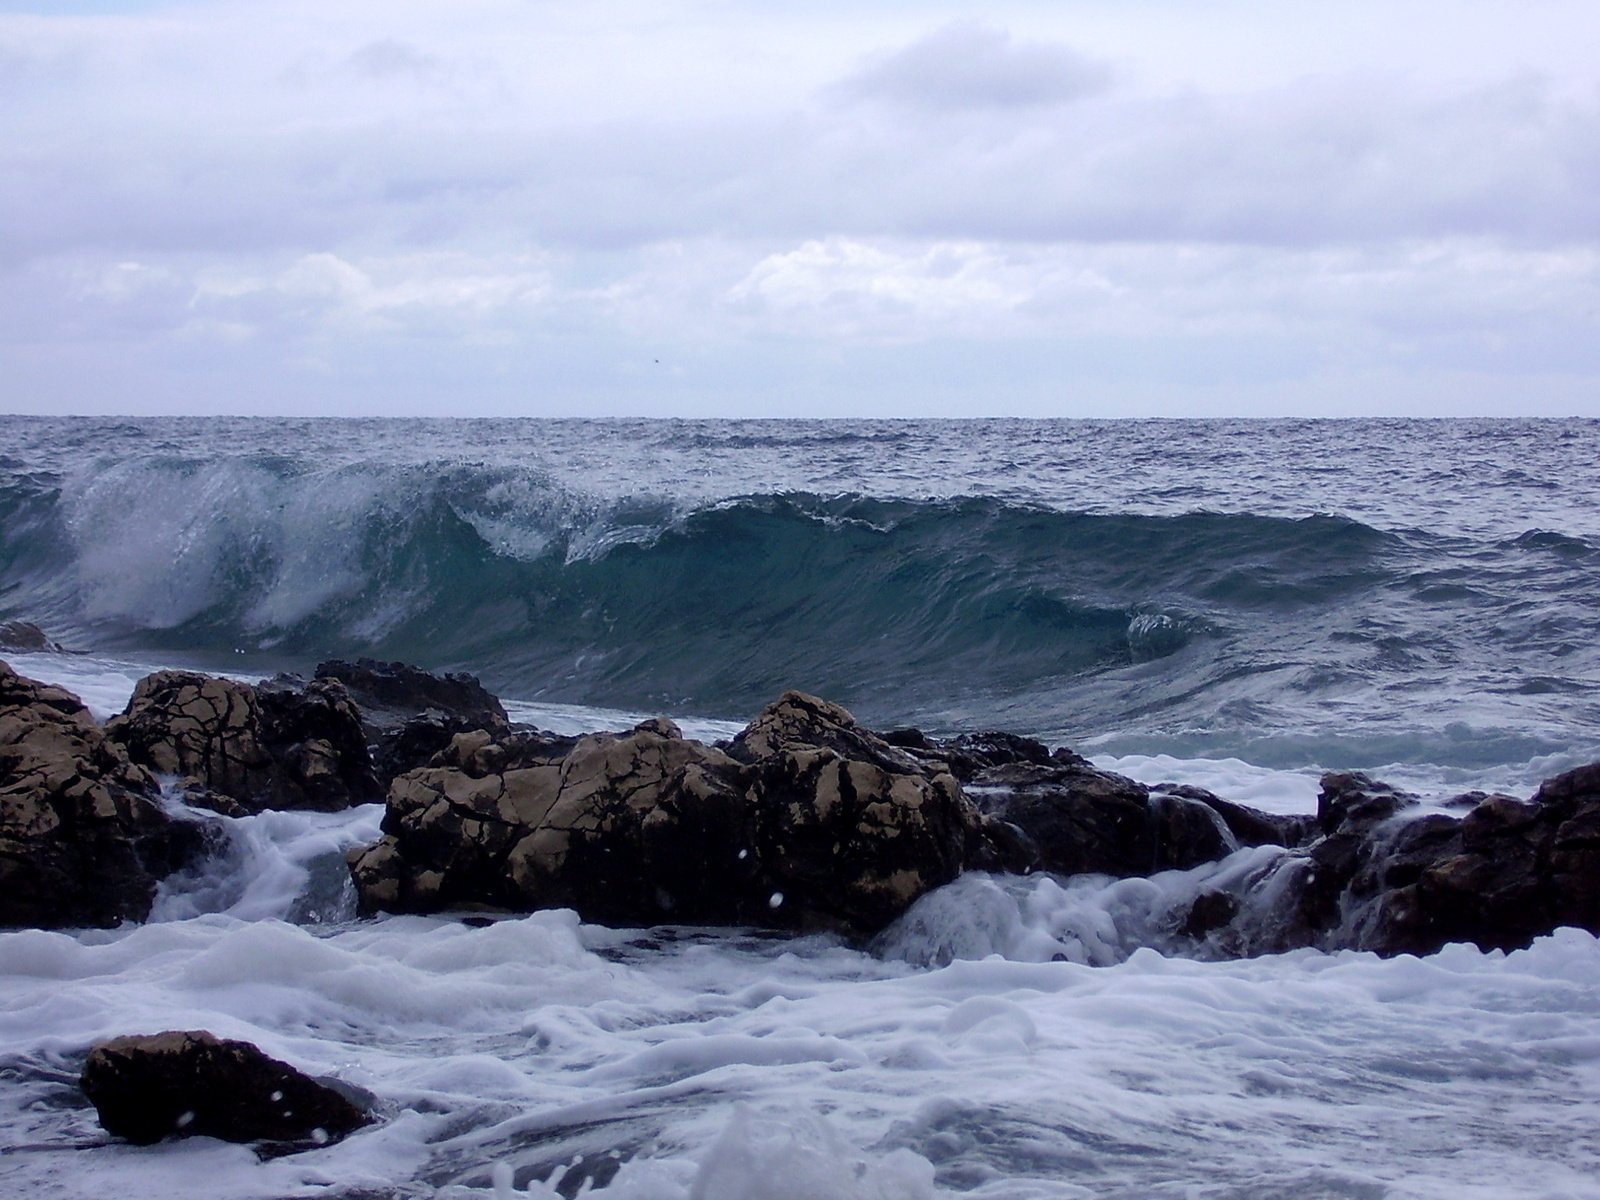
(26, 637)
(283, 743)
(409, 715)
(1085, 820)
(807, 820)
(84, 838)
(184, 1084)
(968, 755)
(1209, 912)
(413, 744)
(971, 753)
(1248, 826)
(386, 690)
(1351, 800)
(908, 739)
(1383, 878)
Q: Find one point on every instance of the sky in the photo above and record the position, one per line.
(728, 208)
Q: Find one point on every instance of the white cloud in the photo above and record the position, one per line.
(323, 294)
(1375, 188)
(968, 65)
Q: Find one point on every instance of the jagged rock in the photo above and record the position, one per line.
(186, 1084)
(1209, 912)
(409, 715)
(388, 689)
(1382, 879)
(1085, 820)
(807, 820)
(968, 754)
(1249, 826)
(1351, 801)
(26, 637)
(797, 721)
(83, 836)
(280, 744)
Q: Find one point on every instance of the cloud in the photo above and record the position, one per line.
(968, 65)
(382, 182)
(390, 58)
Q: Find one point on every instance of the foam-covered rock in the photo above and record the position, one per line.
(191, 1083)
(1386, 877)
(282, 743)
(83, 836)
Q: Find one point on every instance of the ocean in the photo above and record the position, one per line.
(1239, 605)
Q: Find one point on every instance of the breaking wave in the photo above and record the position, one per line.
(1309, 638)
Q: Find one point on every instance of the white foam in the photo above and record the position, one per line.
(1272, 791)
(1012, 1038)
(103, 684)
(714, 1065)
(572, 719)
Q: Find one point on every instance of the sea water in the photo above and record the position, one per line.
(1234, 605)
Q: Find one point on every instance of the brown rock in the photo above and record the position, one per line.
(186, 1084)
(83, 836)
(280, 744)
(26, 637)
(807, 821)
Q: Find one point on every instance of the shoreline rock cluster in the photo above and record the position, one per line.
(805, 820)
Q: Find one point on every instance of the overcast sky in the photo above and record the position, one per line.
(719, 207)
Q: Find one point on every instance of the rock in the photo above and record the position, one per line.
(26, 637)
(280, 744)
(1380, 879)
(83, 836)
(797, 721)
(806, 821)
(1350, 800)
(1085, 820)
(1209, 912)
(1248, 826)
(409, 715)
(188, 1084)
(386, 690)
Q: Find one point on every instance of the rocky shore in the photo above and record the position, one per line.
(805, 820)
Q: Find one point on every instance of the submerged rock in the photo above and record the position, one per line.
(280, 744)
(83, 836)
(186, 1084)
(807, 820)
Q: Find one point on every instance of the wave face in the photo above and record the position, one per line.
(1194, 588)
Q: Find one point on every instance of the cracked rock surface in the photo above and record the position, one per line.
(278, 744)
(83, 836)
(806, 820)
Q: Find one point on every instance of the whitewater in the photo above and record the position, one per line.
(1236, 605)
